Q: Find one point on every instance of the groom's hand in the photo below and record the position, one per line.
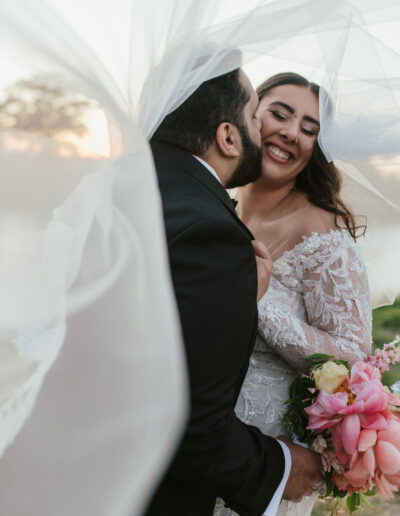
(305, 475)
(264, 267)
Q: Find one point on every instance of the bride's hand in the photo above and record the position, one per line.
(305, 474)
(264, 267)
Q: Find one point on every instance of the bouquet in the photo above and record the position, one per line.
(352, 419)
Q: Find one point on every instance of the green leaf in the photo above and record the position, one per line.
(345, 363)
(371, 492)
(329, 485)
(319, 356)
(350, 504)
(364, 501)
(353, 502)
(339, 494)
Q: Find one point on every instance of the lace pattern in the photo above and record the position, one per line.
(329, 309)
(318, 301)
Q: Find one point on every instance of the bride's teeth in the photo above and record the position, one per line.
(278, 152)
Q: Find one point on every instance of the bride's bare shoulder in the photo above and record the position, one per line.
(316, 220)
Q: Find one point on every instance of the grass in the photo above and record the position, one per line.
(386, 325)
(378, 507)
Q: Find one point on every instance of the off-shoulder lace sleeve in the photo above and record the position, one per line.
(337, 302)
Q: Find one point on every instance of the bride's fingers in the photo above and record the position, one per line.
(263, 276)
(264, 267)
(261, 250)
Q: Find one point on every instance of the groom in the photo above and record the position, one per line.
(212, 142)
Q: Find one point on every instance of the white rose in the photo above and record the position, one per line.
(329, 376)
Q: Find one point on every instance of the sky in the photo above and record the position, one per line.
(105, 29)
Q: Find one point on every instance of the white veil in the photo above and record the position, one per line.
(90, 343)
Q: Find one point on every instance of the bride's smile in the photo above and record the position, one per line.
(277, 153)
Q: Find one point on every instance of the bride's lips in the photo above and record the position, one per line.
(277, 153)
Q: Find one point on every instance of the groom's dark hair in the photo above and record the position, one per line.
(193, 125)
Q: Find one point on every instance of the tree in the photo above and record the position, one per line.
(38, 107)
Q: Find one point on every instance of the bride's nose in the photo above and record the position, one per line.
(290, 131)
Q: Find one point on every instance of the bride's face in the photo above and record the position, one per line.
(289, 115)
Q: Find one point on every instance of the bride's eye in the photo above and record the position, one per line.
(279, 115)
(309, 132)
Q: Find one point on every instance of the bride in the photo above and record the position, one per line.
(318, 299)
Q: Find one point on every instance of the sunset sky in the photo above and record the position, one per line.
(105, 29)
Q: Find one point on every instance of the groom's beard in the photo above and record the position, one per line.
(249, 167)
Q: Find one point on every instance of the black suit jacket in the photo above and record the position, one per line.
(215, 280)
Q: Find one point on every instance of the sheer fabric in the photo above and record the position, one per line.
(85, 289)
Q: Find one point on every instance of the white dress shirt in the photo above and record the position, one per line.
(273, 505)
(208, 167)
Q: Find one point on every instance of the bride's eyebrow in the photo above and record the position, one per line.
(284, 105)
(291, 110)
(311, 119)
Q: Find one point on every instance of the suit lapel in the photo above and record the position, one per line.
(183, 160)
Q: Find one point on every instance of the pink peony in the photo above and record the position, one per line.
(362, 373)
(376, 460)
(365, 382)
(358, 475)
(384, 487)
(364, 405)
(331, 410)
(325, 412)
(367, 439)
(365, 432)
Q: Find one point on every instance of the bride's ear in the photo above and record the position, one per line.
(228, 140)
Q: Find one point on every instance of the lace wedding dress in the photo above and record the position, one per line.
(318, 301)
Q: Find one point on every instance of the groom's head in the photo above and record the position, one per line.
(218, 123)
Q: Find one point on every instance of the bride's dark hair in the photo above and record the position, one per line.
(320, 181)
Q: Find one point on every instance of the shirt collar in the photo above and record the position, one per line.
(208, 167)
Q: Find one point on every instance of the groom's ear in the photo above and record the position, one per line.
(228, 140)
